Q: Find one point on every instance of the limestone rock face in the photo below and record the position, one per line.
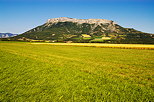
(80, 21)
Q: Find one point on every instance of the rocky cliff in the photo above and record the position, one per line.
(80, 21)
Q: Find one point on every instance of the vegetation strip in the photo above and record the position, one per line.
(122, 46)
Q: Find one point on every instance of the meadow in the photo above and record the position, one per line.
(58, 73)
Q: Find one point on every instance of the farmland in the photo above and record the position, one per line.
(60, 73)
(122, 46)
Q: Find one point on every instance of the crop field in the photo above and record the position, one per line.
(122, 46)
(31, 72)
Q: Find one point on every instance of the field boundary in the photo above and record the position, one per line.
(122, 46)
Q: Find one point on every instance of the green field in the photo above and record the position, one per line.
(51, 73)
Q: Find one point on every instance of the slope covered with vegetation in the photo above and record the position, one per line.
(70, 31)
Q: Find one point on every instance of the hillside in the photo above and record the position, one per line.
(65, 29)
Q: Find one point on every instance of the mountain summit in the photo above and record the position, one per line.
(80, 21)
(85, 30)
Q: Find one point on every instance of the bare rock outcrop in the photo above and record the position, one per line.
(80, 21)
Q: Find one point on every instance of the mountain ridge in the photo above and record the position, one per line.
(7, 35)
(80, 21)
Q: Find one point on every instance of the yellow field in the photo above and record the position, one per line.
(123, 46)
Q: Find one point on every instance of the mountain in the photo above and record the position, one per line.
(65, 29)
(7, 35)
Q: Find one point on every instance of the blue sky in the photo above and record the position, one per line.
(18, 16)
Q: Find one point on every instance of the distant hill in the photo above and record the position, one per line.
(65, 29)
(7, 35)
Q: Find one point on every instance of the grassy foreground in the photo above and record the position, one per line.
(49, 73)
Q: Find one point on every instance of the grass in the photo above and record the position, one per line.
(42, 72)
